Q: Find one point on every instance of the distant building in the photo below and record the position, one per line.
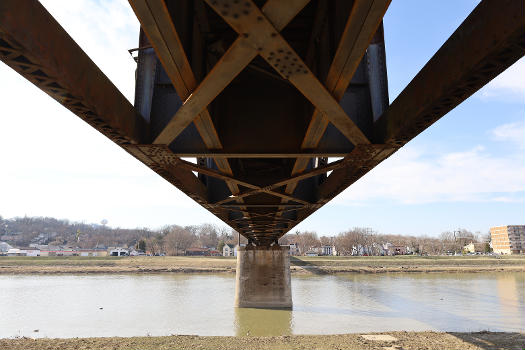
(509, 239)
(311, 253)
(15, 252)
(197, 252)
(92, 252)
(31, 251)
(475, 247)
(236, 249)
(228, 250)
(118, 252)
(328, 250)
(294, 249)
(4, 247)
(392, 249)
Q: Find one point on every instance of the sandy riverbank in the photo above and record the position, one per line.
(383, 341)
(317, 265)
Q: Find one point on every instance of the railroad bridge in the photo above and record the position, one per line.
(261, 94)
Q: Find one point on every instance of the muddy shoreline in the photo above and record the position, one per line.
(368, 341)
(298, 265)
(326, 270)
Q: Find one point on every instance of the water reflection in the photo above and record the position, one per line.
(163, 304)
(261, 322)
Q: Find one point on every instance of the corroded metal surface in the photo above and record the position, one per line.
(261, 93)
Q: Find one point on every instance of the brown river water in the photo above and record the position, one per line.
(67, 306)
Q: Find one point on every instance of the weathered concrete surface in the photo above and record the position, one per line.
(263, 277)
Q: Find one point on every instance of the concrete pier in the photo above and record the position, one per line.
(263, 277)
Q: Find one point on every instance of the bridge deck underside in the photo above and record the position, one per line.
(261, 94)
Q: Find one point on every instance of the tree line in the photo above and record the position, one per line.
(175, 239)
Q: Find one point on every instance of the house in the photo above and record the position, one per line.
(392, 249)
(328, 250)
(118, 252)
(294, 249)
(237, 247)
(15, 252)
(31, 251)
(228, 250)
(475, 247)
(4, 247)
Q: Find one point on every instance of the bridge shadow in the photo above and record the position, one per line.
(493, 340)
(308, 266)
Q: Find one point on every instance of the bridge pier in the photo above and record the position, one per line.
(263, 277)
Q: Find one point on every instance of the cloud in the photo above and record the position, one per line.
(105, 30)
(511, 132)
(509, 85)
(54, 164)
(472, 175)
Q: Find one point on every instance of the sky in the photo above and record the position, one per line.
(465, 171)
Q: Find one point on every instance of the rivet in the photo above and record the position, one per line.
(235, 15)
(245, 35)
(305, 71)
(278, 60)
(274, 35)
(225, 5)
(259, 49)
(285, 57)
(224, 13)
(289, 52)
(259, 18)
(280, 50)
(247, 4)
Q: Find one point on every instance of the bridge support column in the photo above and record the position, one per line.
(263, 277)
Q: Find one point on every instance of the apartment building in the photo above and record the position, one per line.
(509, 239)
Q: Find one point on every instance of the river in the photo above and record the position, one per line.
(66, 306)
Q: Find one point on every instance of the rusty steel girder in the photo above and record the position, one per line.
(261, 93)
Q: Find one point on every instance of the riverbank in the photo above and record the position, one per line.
(316, 265)
(383, 341)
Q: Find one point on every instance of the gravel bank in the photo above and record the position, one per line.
(382, 341)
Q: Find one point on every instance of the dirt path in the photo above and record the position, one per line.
(383, 341)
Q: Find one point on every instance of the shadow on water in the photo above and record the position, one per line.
(493, 340)
(263, 322)
(307, 266)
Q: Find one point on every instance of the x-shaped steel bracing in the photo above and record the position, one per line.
(259, 34)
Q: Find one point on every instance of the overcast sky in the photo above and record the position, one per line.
(467, 170)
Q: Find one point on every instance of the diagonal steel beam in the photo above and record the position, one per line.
(293, 179)
(234, 60)
(488, 41)
(363, 21)
(246, 19)
(225, 177)
(156, 23)
(34, 44)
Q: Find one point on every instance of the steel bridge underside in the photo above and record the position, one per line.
(262, 94)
